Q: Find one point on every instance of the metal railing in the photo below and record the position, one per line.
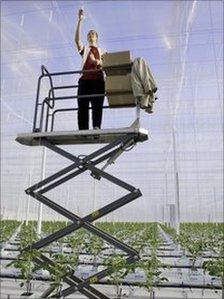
(47, 105)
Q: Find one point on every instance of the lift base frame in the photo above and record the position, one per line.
(118, 140)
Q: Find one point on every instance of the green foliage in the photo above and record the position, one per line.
(49, 227)
(153, 273)
(152, 265)
(198, 238)
(118, 268)
(27, 235)
(63, 266)
(75, 242)
(215, 267)
(94, 245)
(25, 261)
(7, 227)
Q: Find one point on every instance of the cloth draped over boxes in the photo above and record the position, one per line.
(128, 82)
(143, 84)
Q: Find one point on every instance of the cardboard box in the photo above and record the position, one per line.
(116, 59)
(116, 71)
(119, 101)
(115, 84)
(119, 91)
(117, 63)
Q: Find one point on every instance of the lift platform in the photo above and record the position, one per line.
(114, 143)
(82, 137)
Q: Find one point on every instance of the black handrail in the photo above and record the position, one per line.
(44, 69)
(45, 73)
(49, 101)
(64, 110)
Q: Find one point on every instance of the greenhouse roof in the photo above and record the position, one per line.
(182, 41)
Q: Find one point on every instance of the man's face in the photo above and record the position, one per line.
(92, 36)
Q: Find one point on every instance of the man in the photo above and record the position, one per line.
(90, 82)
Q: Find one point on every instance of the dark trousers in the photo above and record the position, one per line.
(89, 87)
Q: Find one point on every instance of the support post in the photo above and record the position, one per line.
(176, 184)
(40, 207)
(28, 203)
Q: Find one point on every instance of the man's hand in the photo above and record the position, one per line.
(94, 60)
(92, 57)
(81, 14)
(78, 42)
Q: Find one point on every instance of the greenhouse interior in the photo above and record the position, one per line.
(111, 149)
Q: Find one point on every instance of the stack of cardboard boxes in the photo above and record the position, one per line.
(117, 67)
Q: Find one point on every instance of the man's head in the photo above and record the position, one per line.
(92, 37)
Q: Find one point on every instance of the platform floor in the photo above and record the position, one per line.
(82, 137)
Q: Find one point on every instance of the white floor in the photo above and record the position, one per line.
(10, 289)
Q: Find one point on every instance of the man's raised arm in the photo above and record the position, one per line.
(78, 41)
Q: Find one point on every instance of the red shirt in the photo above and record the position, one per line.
(89, 65)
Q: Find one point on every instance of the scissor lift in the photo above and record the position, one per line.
(114, 143)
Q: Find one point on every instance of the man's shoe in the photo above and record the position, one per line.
(96, 136)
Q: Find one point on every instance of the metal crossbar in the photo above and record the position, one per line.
(80, 165)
